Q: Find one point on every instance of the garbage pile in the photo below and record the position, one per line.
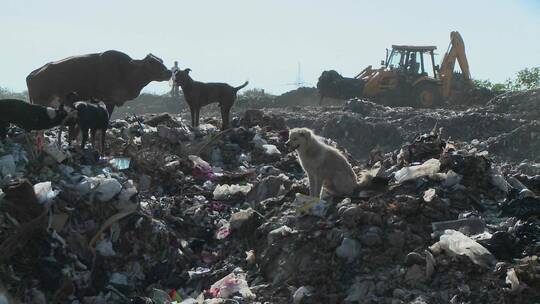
(177, 214)
(519, 104)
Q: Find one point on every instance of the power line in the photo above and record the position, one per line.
(299, 78)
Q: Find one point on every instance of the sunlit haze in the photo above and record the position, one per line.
(263, 41)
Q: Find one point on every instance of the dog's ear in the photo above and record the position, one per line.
(305, 133)
(187, 70)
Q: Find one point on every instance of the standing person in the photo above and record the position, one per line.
(174, 90)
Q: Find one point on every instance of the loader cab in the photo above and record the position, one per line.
(414, 61)
(416, 77)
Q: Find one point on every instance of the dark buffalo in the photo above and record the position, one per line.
(111, 76)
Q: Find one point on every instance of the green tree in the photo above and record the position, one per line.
(528, 79)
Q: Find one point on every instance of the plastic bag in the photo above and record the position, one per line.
(512, 280)
(428, 168)
(300, 293)
(53, 151)
(105, 188)
(457, 243)
(498, 180)
(231, 284)
(258, 141)
(271, 150)
(160, 296)
(349, 249)
(306, 204)
(226, 191)
(279, 233)
(201, 168)
(120, 163)
(451, 179)
(44, 192)
(105, 248)
(7, 165)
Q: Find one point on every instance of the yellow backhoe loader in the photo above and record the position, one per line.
(410, 72)
(409, 76)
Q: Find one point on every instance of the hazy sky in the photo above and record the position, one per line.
(263, 41)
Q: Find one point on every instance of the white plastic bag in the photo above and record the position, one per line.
(105, 188)
(231, 284)
(457, 243)
(428, 168)
(44, 192)
(226, 191)
(271, 150)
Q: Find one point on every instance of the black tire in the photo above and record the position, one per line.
(427, 95)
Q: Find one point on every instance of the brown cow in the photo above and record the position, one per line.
(111, 76)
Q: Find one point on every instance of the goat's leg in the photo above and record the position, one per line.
(103, 133)
(93, 138)
(59, 139)
(31, 144)
(84, 137)
(3, 130)
(73, 132)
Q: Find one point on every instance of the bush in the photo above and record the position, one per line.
(526, 79)
(8, 94)
(255, 98)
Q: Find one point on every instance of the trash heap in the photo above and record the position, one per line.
(184, 215)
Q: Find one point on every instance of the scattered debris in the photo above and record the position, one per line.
(160, 222)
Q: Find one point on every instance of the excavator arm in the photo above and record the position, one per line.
(456, 51)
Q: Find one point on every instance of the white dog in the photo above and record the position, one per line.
(325, 166)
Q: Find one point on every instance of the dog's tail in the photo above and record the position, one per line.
(369, 184)
(242, 86)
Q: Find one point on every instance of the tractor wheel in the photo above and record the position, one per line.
(427, 95)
